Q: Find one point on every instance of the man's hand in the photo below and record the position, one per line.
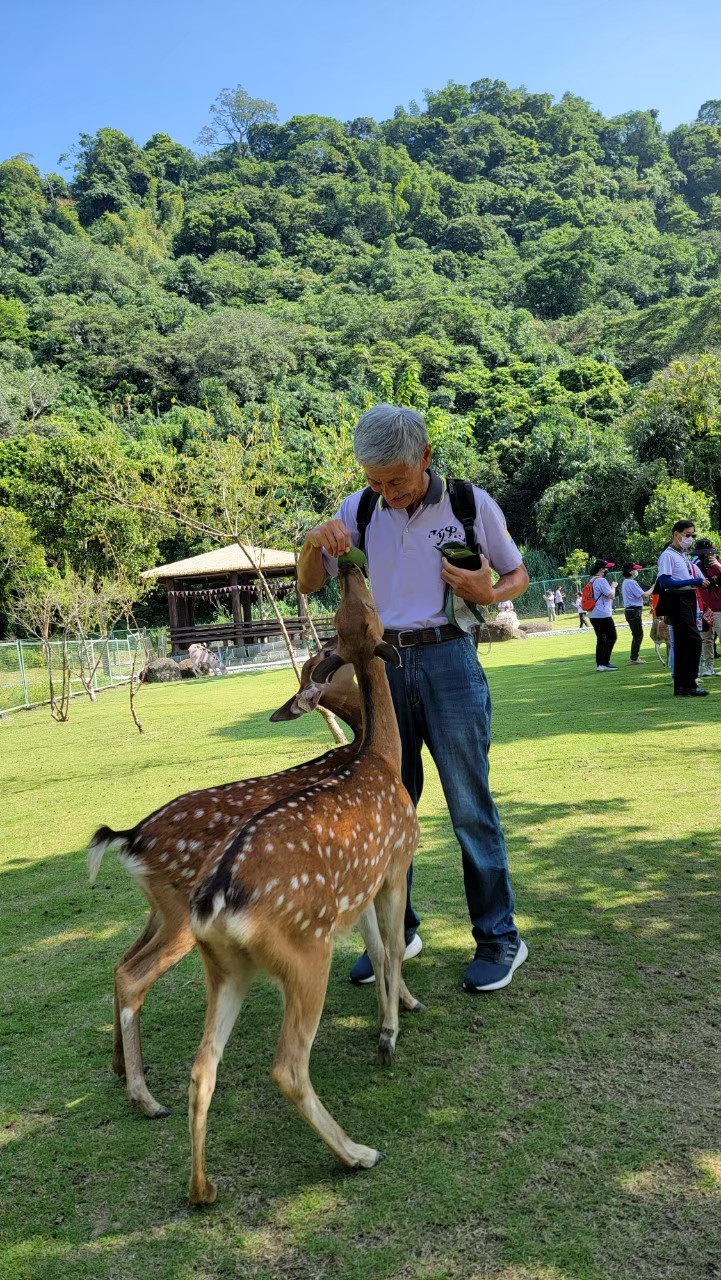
(332, 537)
(470, 584)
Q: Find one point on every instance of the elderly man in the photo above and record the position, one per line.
(440, 693)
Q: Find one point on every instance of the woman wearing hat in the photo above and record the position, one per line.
(600, 615)
(706, 559)
(633, 597)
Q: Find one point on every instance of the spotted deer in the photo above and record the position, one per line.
(165, 852)
(297, 875)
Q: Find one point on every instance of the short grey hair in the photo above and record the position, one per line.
(387, 434)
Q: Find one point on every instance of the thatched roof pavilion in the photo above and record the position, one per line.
(224, 576)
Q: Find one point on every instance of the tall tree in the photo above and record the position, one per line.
(234, 114)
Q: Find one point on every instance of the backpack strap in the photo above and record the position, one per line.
(366, 507)
(463, 506)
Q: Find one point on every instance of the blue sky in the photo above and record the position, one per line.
(151, 66)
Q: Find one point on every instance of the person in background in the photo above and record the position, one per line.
(677, 581)
(582, 615)
(600, 615)
(559, 601)
(550, 600)
(706, 559)
(633, 597)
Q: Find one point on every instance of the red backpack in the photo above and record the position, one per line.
(588, 598)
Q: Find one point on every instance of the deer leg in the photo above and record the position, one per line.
(133, 981)
(226, 991)
(368, 927)
(408, 1000)
(304, 987)
(151, 926)
(389, 904)
(370, 933)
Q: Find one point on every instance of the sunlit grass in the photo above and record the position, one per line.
(565, 1129)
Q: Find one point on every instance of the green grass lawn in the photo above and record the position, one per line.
(568, 1128)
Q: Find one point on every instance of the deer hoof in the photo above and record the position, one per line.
(386, 1048)
(206, 1193)
(418, 1007)
(150, 1108)
(368, 1161)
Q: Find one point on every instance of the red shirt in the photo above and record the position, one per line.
(710, 597)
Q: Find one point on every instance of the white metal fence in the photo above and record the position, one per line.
(26, 665)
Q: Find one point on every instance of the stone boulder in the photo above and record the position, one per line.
(159, 671)
(497, 631)
(187, 669)
(533, 628)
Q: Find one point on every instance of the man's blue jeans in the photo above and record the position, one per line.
(441, 698)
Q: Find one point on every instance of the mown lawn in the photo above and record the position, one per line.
(568, 1128)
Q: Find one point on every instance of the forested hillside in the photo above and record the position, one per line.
(538, 278)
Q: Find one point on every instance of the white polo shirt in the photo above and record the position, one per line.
(677, 565)
(404, 556)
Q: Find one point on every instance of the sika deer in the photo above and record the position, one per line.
(298, 874)
(165, 852)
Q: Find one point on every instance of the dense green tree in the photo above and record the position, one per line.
(110, 173)
(21, 194)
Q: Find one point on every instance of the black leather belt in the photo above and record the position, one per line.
(431, 635)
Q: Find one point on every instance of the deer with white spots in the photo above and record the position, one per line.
(297, 875)
(165, 853)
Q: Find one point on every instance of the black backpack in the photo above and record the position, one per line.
(463, 505)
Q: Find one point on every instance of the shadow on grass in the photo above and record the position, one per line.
(565, 1127)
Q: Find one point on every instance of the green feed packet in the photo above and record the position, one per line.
(460, 555)
(354, 557)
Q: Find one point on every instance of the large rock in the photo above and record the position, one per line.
(160, 670)
(497, 631)
(187, 669)
(533, 628)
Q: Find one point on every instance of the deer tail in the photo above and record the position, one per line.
(105, 838)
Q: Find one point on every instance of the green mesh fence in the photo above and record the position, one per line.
(26, 665)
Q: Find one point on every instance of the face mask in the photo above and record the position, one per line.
(686, 541)
(634, 573)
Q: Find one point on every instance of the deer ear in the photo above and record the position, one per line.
(327, 668)
(288, 711)
(388, 653)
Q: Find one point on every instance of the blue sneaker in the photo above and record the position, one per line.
(494, 965)
(362, 972)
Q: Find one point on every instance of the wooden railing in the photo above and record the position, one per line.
(245, 633)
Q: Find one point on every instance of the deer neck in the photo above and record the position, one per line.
(380, 727)
(349, 712)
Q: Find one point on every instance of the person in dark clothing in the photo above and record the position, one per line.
(600, 615)
(633, 597)
(677, 582)
(706, 559)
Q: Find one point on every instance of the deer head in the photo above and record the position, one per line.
(359, 628)
(343, 699)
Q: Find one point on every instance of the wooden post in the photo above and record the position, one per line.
(172, 611)
(247, 615)
(235, 602)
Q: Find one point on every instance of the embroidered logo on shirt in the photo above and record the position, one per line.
(447, 534)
